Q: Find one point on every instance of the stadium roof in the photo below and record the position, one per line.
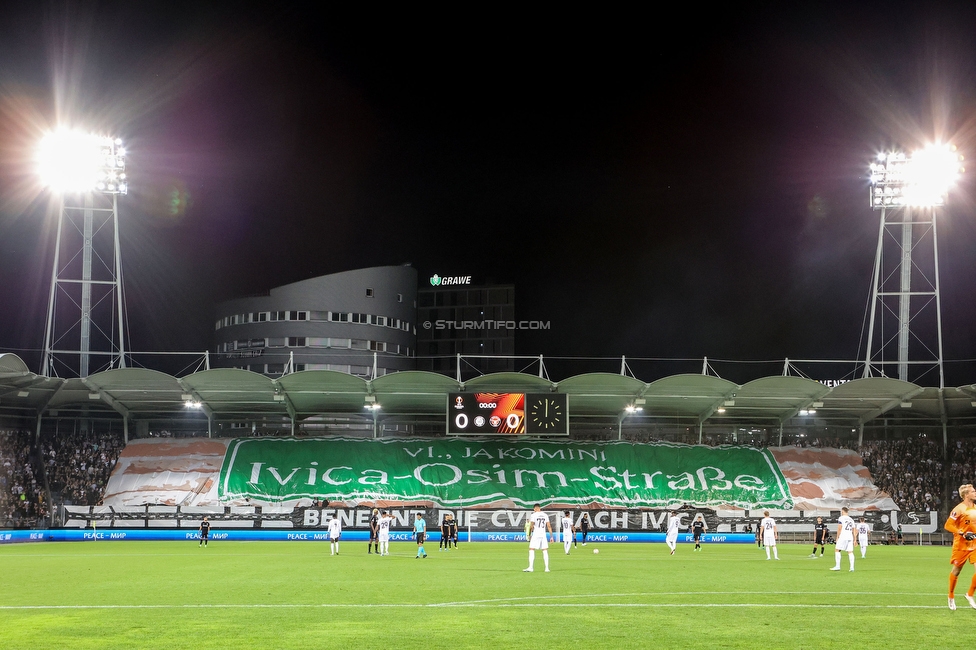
(140, 393)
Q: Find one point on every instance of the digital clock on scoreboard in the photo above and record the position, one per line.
(507, 414)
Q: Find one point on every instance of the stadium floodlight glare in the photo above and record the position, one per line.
(71, 161)
(922, 179)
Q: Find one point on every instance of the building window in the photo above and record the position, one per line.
(276, 368)
(359, 344)
(302, 315)
(278, 342)
(369, 293)
(296, 341)
(262, 316)
(218, 325)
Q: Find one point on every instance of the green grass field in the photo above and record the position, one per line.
(295, 595)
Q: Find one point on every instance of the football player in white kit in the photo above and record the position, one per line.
(674, 521)
(863, 534)
(768, 528)
(846, 530)
(569, 531)
(385, 521)
(540, 530)
(335, 531)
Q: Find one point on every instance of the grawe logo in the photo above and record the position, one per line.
(436, 280)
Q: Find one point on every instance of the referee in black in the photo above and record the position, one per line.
(204, 531)
(584, 526)
(819, 536)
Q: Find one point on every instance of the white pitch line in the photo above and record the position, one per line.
(685, 593)
(460, 605)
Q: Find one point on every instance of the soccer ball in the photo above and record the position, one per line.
(596, 551)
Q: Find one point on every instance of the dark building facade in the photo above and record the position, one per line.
(456, 317)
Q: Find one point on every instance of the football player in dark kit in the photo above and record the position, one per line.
(584, 526)
(819, 536)
(374, 532)
(452, 531)
(445, 533)
(698, 529)
(204, 531)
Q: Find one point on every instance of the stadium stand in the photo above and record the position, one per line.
(910, 470)
(78, 464)
(21, 493)
(962, 466)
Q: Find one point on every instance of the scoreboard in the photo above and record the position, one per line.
(485, 414)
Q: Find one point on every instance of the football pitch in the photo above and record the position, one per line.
(295, 595)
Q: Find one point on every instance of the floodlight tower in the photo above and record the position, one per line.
(909, 191)
(85, 314)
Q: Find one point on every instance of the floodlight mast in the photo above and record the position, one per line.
(908, 190)
(86, 305)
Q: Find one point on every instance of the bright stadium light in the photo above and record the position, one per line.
(76, 162)
(909, 190)
(922, 179)
(86, 175)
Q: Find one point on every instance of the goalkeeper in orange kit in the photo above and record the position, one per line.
(962, 525)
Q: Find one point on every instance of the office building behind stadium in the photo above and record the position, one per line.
(456, 317)
(361, 322)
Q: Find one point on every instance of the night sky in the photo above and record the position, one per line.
(669, 185)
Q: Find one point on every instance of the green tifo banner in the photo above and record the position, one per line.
(466, 472)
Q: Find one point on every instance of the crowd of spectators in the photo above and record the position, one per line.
(911, 470)
(962, 465)
(78, 463)
(21, 492)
